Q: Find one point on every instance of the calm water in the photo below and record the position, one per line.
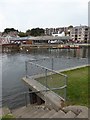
(13, 69)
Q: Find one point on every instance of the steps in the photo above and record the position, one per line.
(49, 114)
(58, 114)
(41, 111)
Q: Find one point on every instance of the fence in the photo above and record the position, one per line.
(51, 79)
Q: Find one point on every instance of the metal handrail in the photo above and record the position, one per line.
(48, 69)
(13, 97)
(51, 71)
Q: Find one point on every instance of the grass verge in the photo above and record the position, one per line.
(77, 90)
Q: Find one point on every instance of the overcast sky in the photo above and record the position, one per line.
(28, 14)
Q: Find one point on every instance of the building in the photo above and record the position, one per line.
(80, 34)
(4, 40)
(11, 33)
(50, 31)
(0, 34)
(58, 34)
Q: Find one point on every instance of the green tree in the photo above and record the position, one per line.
(69, 27)
(28, 32)
(37, 32)
(22, 34)
(7, 30)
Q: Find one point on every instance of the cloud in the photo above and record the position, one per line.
(24, 14)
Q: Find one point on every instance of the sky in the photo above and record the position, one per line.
(28, 14)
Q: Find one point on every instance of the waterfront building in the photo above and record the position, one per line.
(80, 34)
(50, 31)
(58, 34)
(5, 40)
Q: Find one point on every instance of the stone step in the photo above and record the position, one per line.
(27, 114)
(70, 114)
(76, 109)
(83, 114)
(58, 114)
(49, 114)
(42, 113)
(31, 114)
(20, 111)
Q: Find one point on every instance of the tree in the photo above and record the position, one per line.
(37, 32)
(28, 32)
(7, 30)
(22, 34)
(69, 27)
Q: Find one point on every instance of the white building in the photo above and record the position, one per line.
(59, 34)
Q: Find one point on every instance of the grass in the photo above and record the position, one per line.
(77, 90)
(7, 117)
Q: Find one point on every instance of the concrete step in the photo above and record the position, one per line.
(27, 114)
(83, 114)
(42, 113)
(49, 114)
(20, 111)
(58, 114)
(70, 114)
(33, 111)
(76, 109)
(33, 114)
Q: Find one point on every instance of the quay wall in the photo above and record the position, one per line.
(24, 47)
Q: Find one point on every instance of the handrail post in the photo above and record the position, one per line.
(26, 68)
(52, 63)
(65, 88)
(46, 79)
(26, 99)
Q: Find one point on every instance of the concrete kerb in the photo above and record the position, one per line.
(73, 68)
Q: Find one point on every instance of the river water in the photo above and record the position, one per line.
(13, 69)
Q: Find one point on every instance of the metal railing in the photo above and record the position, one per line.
(54, 81)
(50, 78)
(17, 100)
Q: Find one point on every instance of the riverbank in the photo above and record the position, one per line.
(54, 46)
(27, 47)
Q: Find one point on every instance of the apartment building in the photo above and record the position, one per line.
(50, 31)
(80, 34)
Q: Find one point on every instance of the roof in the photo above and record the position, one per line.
(42, 38)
